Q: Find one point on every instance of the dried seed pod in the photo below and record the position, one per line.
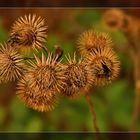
(118, 19)
(105, 65)
(44, 80)
(78, 78)
(114, 18)
(35, 98)
(28, 32)
(11, 63)
(47, 72)
(127, 24)
(90, 39)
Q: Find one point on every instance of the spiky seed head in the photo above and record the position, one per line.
(78, 78)
(113, 18)
(47, 72)
(91, 39)
(28, 31)
(118, 19)
(105, 65)
(45, 79)
(11, 63)
(33, 97)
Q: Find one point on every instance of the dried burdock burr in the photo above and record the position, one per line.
(34, 97)
(78, 78)
(118, 19)
(130, 27)
(105, 65)
(29, 31)
(114, 18)
(91, 39)
(48, 72)
(12, 66)
(44, 79)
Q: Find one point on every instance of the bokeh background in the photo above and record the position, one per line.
(113, 103)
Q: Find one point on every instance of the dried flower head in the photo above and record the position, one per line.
(35, 98)
(104, 64)
(47, 72)
(11, 63)
(28, 31)
(114, 18)
(131, 27)
(44, 80)
(78, 78)
(90, 39)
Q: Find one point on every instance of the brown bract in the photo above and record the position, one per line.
(11, 63)
(42, 83)
(28, 31)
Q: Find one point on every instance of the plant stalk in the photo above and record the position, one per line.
(93, 114)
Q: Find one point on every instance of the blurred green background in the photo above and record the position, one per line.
(113, 103)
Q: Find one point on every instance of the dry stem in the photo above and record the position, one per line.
(93, 114)
(136, 110)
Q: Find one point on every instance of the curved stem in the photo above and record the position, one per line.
(135, 50)
(137, 91)
(93, 114)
